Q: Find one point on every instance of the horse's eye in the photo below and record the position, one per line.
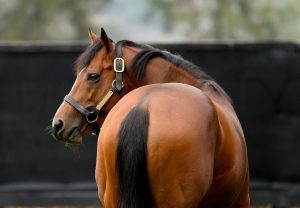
(93, 77)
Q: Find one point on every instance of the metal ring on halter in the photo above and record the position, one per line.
(92, 117)
(114, 86)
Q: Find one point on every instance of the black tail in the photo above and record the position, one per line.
(134, 188)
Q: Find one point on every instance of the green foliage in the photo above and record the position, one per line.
(45, 19)
(236, 20)
(196, 20)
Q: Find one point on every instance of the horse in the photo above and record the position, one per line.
(106, 71)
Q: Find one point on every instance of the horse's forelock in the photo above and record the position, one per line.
(86, 57)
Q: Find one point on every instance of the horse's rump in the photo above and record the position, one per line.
(181, 142)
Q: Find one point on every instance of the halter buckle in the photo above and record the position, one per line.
(118, 61)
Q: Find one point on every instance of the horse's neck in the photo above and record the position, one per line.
(160, 70)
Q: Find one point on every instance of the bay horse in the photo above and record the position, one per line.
(105, 72)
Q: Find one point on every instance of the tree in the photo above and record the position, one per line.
(195, 20)
(44, 20)
(230, 19)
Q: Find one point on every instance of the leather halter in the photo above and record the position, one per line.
(91, 113)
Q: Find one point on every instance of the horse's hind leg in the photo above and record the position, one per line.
(243, 200)
(175, 192)
(179, 177)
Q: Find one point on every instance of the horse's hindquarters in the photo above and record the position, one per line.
(182, 137)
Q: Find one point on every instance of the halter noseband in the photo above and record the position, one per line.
(91, 112)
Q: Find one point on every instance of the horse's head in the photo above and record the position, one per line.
(98, 86)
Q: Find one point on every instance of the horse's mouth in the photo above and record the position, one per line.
(74, 137)
(72, 134)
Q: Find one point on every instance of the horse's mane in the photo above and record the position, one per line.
(140, 61)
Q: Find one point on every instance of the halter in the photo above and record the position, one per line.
(91, 113)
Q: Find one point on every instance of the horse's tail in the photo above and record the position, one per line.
(131, 162)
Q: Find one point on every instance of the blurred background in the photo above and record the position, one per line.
(152, 21)
(250, 47)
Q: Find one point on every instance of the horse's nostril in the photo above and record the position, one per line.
(58, 127)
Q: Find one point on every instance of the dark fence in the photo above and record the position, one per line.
(262, 79)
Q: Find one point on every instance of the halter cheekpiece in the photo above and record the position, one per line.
(91, 113)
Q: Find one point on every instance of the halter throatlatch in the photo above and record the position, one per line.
(91, 113)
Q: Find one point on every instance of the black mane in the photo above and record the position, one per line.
(140, 61)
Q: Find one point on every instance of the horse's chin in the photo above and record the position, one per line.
(73, 136)
(76, 137)
(75, 141)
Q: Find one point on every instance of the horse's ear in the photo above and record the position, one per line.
(105, 40)
(93, 36)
